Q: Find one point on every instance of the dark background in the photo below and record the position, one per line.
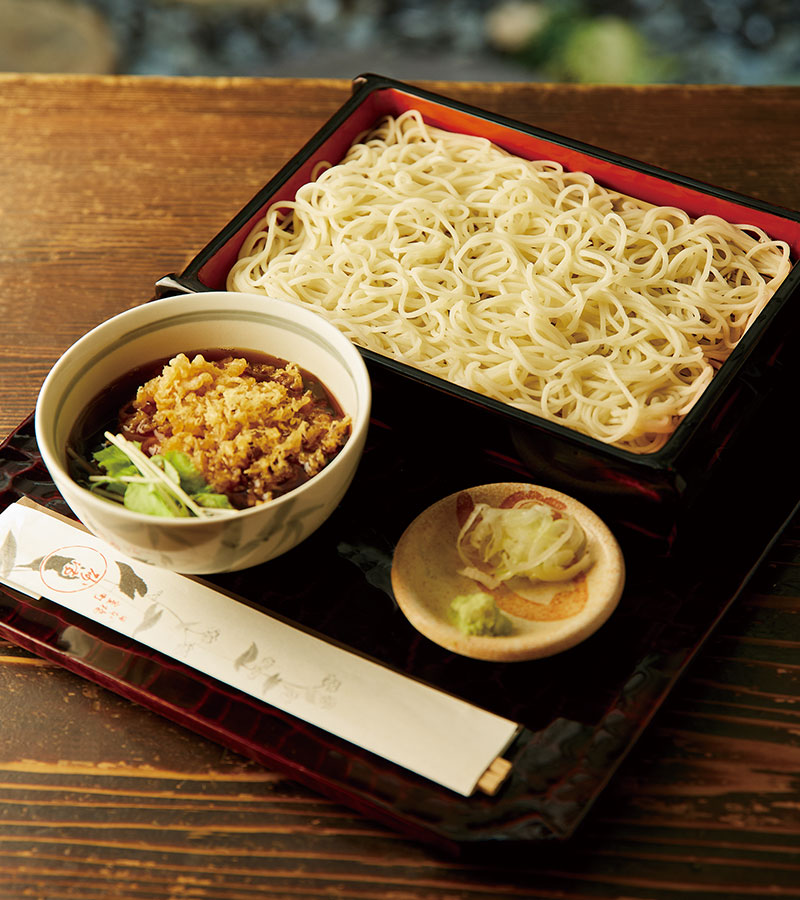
(590, 41)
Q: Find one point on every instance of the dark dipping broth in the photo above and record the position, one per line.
(113, 407)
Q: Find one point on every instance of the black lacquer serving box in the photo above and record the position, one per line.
(650, 493)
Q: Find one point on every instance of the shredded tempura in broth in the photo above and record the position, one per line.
(252, 429)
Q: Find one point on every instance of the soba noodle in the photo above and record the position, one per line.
(520, 280)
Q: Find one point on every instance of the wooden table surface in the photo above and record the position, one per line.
(106, 184)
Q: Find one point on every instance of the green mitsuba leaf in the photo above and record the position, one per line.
(167, 468)
(152, 500)
(218, 501)
(168, 485)
(115, 462)
(191, 479)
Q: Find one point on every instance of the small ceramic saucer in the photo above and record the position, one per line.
(549, 618)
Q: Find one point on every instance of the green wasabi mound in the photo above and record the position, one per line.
(477, 614)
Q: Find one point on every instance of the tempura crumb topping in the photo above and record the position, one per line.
(252, 429)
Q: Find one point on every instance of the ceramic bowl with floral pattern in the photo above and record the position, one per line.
(160, 330)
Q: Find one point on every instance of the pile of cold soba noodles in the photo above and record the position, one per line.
(519, 280)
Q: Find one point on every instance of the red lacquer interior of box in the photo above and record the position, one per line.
(391, 101)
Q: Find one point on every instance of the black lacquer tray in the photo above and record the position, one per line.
(582, 710)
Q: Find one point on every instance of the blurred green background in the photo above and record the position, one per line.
(617, 41)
